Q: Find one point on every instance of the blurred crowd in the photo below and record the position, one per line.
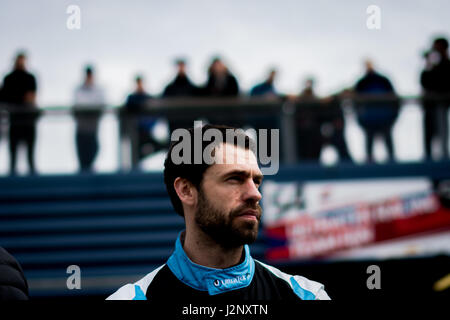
(319, 120)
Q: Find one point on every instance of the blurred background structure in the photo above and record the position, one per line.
(86, 115)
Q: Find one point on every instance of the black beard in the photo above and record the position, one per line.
(219, 225)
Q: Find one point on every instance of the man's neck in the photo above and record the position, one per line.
(202, 250)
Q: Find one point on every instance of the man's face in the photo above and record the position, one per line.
(139, 85)
(219, 68)
(272, 76)
(181, 68)
(89, 79)
(20, 63)
(228, 207)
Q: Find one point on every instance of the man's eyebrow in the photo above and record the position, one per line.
(244, 174)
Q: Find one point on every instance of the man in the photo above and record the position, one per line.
(89, 98)
(221, 82)
(377, 117)
(319, 121)
(137, 126)
(265, 89)
(19, 92)
(435, 80)
(220, 205)
(307, 124)
(181, 86)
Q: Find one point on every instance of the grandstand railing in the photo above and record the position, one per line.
(244, 112)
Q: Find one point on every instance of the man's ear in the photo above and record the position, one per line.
(186, 191)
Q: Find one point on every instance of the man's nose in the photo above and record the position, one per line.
(251, 192)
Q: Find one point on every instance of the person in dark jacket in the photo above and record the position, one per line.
(13, 284)
(265, 89)
(376, 117)
(19, 92)
(181, 86)
(319, 121)
(435, 81)
(136, 126)
(221, 82)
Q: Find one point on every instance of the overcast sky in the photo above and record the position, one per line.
(327, 39)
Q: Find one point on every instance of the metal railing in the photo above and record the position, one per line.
(298, 120)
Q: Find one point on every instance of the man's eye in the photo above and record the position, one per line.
(235, 178)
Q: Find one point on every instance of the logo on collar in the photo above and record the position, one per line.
(232, 281)
(219, 282)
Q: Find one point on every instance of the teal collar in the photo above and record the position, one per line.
(213, 280)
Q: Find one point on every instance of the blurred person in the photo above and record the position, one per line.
(308, 90)
(13, 284)
(19, 93)
(435, 81)
(265, 89)
(138, 127)
(221, 82)
(219, 201)
(376, 117)
(308, 135)
(181, 86)
(88, 101)
(319, 121)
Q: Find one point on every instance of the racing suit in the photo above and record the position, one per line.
(180, 279)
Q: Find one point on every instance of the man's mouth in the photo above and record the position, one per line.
(250, 214)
